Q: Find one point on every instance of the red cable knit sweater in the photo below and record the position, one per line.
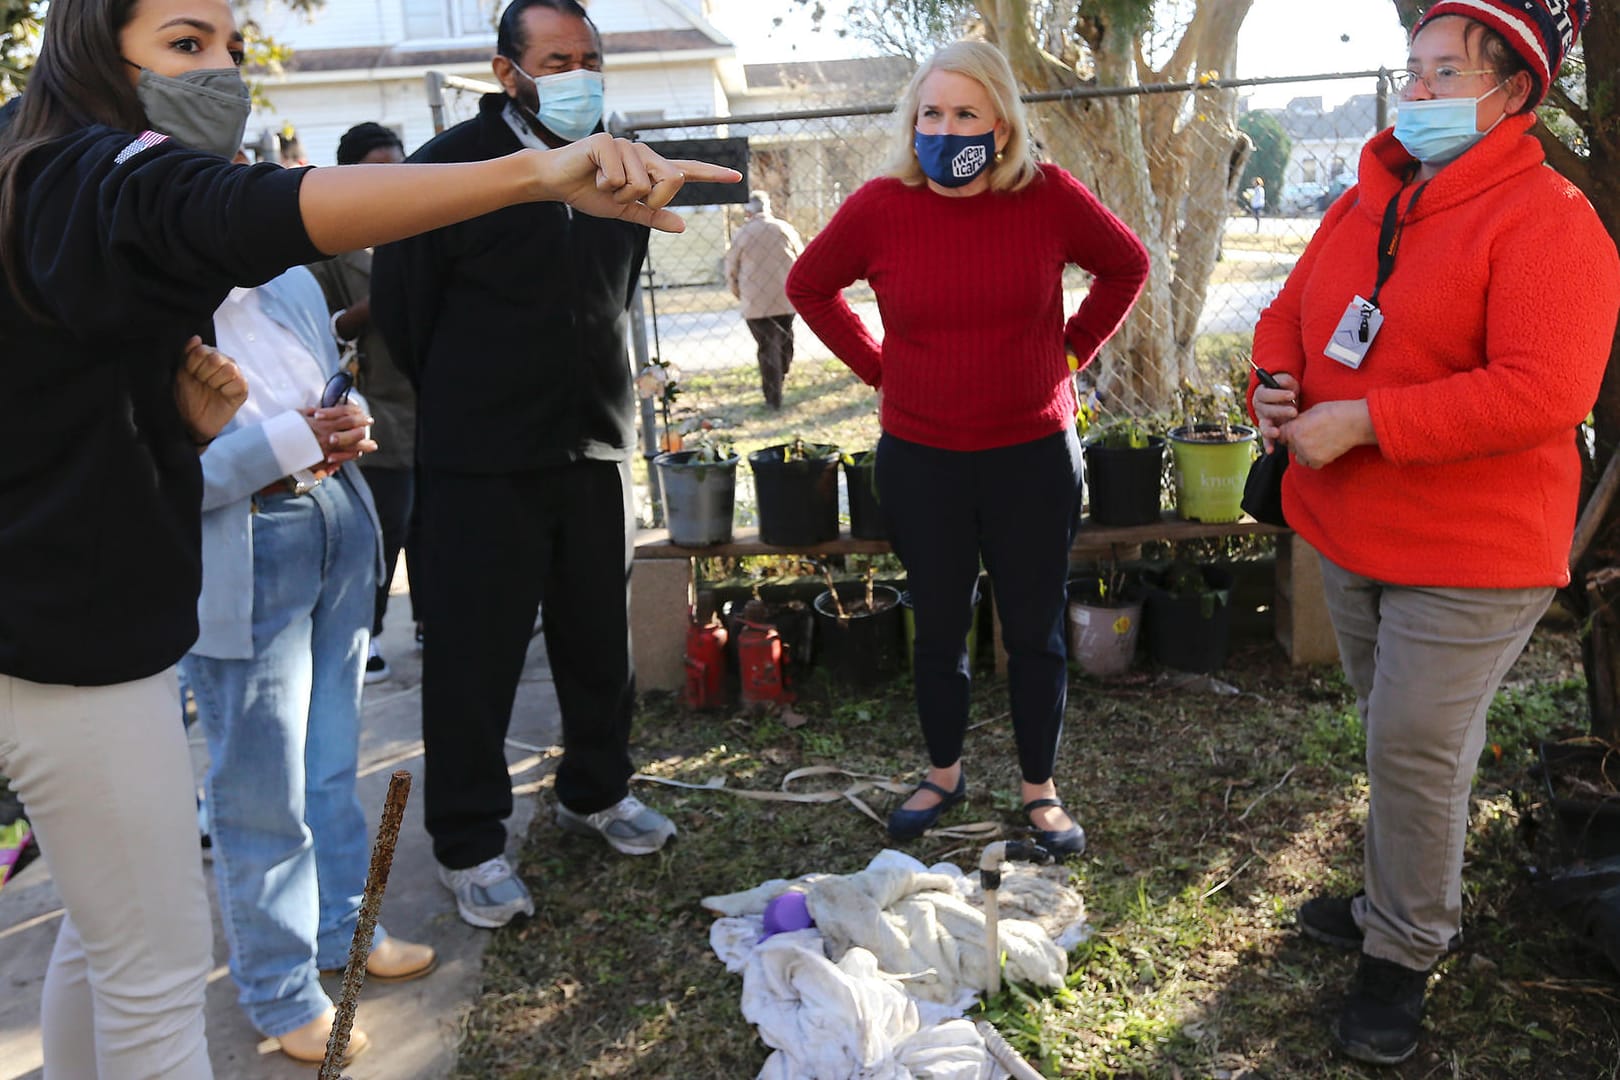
(971, 294)
(1499, 320)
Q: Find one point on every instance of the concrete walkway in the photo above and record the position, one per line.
(414, 1027)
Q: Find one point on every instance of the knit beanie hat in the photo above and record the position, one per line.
(1540, 31)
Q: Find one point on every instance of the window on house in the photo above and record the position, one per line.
(447, 18)
(1308, 170)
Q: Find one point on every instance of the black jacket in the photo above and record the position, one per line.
(100, 489)
(512, 326)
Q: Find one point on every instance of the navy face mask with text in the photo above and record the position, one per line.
(954, 160)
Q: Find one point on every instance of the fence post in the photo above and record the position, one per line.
(649, 413)
(1382, 113)
(435, 95)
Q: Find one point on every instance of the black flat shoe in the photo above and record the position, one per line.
(1060, 842)
(910, 824)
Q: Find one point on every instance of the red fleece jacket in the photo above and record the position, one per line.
(971, 294)
(1500, 316)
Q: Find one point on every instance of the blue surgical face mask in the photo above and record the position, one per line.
(1438, 131)
(954, 160)
(570, 102)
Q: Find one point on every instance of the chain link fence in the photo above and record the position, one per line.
(1225, 209)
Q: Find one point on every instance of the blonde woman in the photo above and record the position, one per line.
(964, 240)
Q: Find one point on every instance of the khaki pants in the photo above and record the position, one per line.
(1425, 664)
(106, 778)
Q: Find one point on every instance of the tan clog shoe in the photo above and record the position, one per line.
(308, 1044)
(395, 960)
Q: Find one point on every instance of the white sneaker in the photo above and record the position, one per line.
(488, 895)
(376, 667)
(629, 827)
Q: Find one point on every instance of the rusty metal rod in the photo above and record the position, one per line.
(354, 975)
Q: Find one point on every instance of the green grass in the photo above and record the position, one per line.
(1211, 818)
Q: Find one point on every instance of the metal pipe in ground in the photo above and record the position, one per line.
(354, 975)
(990, 881)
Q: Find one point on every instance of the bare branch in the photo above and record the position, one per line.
(1559, 98)
(1571, 165)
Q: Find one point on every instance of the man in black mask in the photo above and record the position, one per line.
(512, 328)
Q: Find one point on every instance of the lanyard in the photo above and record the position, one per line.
(1389, 242)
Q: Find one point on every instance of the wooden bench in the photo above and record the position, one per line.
(663, 571)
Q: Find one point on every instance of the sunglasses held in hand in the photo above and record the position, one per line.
(337, 390)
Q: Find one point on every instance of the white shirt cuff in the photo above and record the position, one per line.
(292, 442)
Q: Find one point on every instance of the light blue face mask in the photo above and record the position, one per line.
(570, 102)
(1438, 131)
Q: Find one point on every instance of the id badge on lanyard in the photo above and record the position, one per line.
(1358, 328)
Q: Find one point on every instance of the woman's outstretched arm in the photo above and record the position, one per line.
(358, 206)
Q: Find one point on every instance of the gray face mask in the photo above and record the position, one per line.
(205, 110)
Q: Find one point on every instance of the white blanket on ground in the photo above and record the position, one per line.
(911, 958)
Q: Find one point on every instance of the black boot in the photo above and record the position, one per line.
(1383, 1015)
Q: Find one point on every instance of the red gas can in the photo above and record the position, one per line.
(762, 664)
(706, 664)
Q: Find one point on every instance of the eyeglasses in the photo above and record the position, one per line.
(1444, 81)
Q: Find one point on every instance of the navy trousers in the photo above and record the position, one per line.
(1016, 508)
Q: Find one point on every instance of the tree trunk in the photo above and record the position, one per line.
(1142, 157)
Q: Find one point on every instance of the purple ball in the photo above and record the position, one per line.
(787, 912)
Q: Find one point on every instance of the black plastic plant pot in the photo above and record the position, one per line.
(1588, 821)
(1124, 485)
(863, 648)
(798, 499)
(1189, 632)
(865, 509)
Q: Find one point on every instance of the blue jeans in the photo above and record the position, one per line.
(1016, 507)
(283, 730)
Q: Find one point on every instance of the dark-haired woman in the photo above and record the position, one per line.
(122, 227)
(1440, 339)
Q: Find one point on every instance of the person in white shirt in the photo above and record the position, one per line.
(290, 562)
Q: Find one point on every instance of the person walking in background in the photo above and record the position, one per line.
(524, 472)
(964, 241)
(1439, 341)
(123, 226)
(390, 472)
(1257, 200)
(757, 265)
(290, 562)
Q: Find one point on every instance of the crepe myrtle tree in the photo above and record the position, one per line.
(1580, 130)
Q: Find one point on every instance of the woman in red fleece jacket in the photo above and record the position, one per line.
(964, 242)
(1440, 470)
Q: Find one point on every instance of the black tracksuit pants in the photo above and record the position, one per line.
(494, 547)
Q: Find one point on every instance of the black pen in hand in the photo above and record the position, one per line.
(1265, 377)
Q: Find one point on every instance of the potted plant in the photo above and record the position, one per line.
(858, 627)
(1188, 610)
(797, 487)
(1212, 457)
(1105, 616)
(700, 489)
(1124, 473)
(1582, 777)
(865, 508)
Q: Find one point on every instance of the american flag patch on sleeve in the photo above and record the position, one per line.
(144, 141)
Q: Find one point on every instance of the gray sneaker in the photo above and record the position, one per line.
(627, 826)
(488, 895)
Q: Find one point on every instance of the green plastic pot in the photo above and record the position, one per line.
(1209, 473)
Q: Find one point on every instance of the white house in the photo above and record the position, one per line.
(1325, 147)
(361, 60)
